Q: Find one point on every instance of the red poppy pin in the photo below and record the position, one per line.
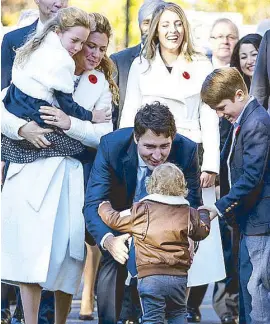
(186, 75)
(92, 78)
(237, 131)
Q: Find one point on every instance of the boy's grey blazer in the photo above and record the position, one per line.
(123, 61)
(260, 85)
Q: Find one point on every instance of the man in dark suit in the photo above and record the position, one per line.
(12, 41)
(260, 84)
(116, 175)
(245, 166)
(124, 59)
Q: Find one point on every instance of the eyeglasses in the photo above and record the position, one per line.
(221, 37)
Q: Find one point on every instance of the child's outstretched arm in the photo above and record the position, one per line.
(134, 221)
(199, 227)
(114, 219)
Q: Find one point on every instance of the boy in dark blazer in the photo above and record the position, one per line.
(245, 167)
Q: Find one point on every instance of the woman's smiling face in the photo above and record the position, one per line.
(170, 32)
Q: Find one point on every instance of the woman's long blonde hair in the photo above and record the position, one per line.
(149, 48)
(65, 19)
(106, 65)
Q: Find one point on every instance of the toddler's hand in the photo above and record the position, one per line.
(103, 202)
(212, 211)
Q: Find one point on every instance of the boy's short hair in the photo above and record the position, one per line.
(167, 179)
(157, 117)
(222, 84)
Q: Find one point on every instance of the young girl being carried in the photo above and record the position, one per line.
(162, 224)
(43, 75)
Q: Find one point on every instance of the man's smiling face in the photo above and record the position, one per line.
(154, 149)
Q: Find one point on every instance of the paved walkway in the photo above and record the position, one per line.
(208, 314)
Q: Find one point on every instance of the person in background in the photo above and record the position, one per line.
(245, 167)
(224, 35)
(11, 41)
(244, 56)
(260, 85)
(263, 26)
(168, 56)
(123, 59)
(161, 223)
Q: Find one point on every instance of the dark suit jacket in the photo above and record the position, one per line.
(248, 199)
(260, 84)
(123, 61)
(11, 41)
(114, 174)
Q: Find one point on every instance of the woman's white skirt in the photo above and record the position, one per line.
(43, 239)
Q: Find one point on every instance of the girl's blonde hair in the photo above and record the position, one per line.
(167, 179)
(65, 19)
(106, 65)
(149, 48)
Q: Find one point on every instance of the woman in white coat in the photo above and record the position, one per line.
(43, 229)
(170, 71)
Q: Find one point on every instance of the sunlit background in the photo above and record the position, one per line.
(201, 14)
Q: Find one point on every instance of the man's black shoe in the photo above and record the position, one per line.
(228, 320)
(193, 315)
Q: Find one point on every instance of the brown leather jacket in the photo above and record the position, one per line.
(161, 232)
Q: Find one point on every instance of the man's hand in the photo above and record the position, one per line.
(207, 179)
(35, 134)
(117, 247)
(102, 116)
(212, 211)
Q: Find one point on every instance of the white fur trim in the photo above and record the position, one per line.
(170, 200)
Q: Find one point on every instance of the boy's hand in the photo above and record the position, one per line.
(212, 211)
(102, 116)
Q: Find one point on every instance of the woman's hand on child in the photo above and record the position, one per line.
(212, 211)
(34, 134)
(102, 115)
(55, 117)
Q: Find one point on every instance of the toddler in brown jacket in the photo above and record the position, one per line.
(161, 224)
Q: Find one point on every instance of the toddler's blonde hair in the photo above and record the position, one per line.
(167, 179)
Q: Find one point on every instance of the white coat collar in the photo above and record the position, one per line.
(169, 200)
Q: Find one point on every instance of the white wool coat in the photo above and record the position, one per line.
(193, 118)
(32, 191)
